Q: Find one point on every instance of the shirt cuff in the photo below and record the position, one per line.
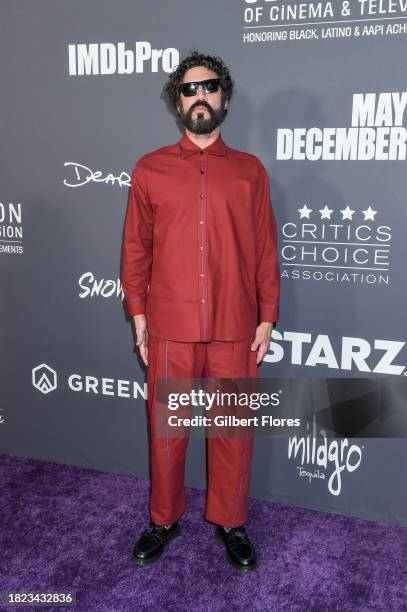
(136, 306)
(269, 313)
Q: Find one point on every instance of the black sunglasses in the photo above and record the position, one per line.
(191, 89)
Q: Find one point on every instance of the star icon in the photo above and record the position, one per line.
(325, 212)
(304, 212)
(347, 213)
(369, 214)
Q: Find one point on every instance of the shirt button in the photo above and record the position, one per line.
(201, 195)
(201, 248)
(202, 171)
(201, 222)
(203, 301)
(202, 274)
(201, 152)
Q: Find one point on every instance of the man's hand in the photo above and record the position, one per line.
(140, 323)
(261, 342)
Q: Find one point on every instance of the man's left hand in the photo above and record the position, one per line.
(261, 342)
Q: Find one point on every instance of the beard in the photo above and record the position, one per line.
(199, 122)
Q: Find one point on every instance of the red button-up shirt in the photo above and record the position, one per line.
(200, 255)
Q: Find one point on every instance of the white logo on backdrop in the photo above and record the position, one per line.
(377, 132)
(267, 19)
(340, 246)
(91, 287)
(11, 228)
(346, 353)
(82, 175)
(44, 378)
(115, 58)
(318, 455)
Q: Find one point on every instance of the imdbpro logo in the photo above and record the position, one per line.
(44, 378)
(114, 58)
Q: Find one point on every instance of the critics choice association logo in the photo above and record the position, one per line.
(341, 246)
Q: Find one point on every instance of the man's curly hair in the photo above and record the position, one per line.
(171, 88)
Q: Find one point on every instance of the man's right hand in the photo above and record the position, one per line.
(140, 323)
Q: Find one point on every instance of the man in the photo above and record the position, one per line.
(201, 281)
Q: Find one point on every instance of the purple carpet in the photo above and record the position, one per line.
(66, 528)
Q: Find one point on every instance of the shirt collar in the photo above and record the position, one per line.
(187, 147)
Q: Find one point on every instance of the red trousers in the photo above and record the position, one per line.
(229, 458)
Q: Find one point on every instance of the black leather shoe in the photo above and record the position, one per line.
(239, 550)
(150, 546)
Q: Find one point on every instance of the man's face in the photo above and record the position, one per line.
(203, 112)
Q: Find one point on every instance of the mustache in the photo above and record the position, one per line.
(200, 104)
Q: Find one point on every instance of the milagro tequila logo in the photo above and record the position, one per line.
(320, 457)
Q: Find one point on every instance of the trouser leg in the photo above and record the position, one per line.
(167, 360)
(229, 458)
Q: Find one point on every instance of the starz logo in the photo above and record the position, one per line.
(347, 213)
(337, 245)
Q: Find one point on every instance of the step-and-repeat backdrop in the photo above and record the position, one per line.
(320, 98)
